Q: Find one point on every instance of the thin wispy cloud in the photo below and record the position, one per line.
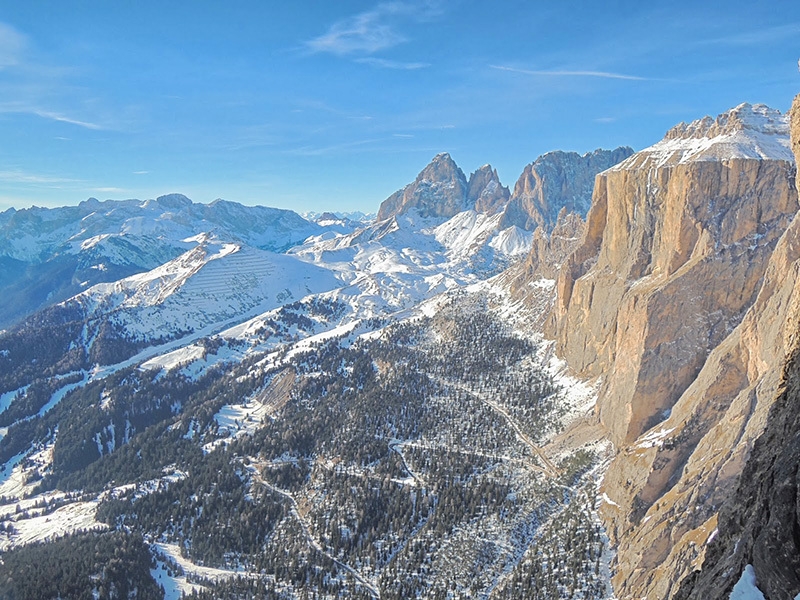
(318, 105)
(374, 30)
(569, 73)
(363, 33)
(383, 63)
(30, 87)
(47, 114)
(333, 149)
(18, 176)
(22, 108)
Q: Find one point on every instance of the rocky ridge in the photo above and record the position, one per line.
(50, 254)
(440, 190)
(553, 181)
(676, 298)
(485, 192)
(758, 523)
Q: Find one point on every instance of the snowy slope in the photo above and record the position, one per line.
(744, 132)
(381, 271)
(48, 255)
(408, 258)
(36, 234)
(213, 283)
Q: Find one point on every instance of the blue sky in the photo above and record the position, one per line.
(323, 105)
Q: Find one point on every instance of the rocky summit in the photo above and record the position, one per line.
(677, 299)
(440, 190)
(554, 181)
(586, 387)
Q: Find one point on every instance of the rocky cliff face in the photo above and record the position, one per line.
(485, 192)
(550, 251)
(677, 297)
(676, 245)
(759, 522)
(440, 190)
(554, 181)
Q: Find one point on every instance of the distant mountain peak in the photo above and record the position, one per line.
(174, 201)
(745, 117)
(485, 192)
(441, 169)
(747, 131)
(554, 181)
(440, 190)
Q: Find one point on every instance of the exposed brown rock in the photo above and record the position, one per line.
(554, 181)
(672, 258)
(531, 282)
(549, 252)
(440, 190)
(760, 521)
(485, 192)
(678, 297)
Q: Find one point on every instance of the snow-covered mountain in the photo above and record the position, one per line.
(744, 132)
(47, 255)
(36, 234)
(214, 283)
(286, 356)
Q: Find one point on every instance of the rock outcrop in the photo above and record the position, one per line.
(676, 245)
(550, 251)
(440, 190)
(485, 193)
(759, 523)
(554, 181)
(677, 297)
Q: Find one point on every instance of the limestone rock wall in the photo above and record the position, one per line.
(554, 181)
(550, 251)
(759, 521)
(679, 298)
(673, 257)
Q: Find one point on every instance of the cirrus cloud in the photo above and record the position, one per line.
(373, 30)
(570, 73)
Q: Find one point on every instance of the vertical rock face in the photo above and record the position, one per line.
(760, 521)
(485, 192)
(554, 181)
(549, 252)
(532, 281)
(677, 241)
(440, 190)
(678, 297)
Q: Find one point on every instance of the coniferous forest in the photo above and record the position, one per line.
(402, 464)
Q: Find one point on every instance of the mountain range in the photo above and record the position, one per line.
(571, 389)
